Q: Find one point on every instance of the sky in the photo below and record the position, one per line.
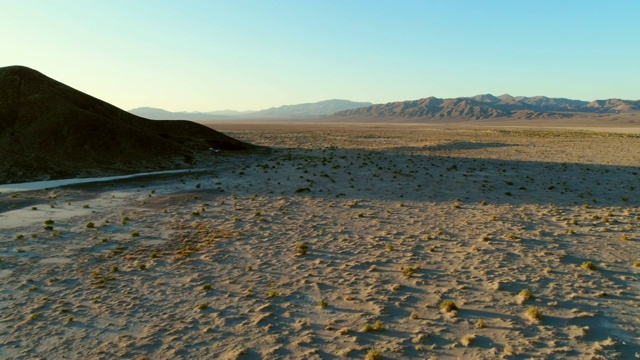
(205, 55)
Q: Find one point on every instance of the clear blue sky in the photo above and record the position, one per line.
(249, 54)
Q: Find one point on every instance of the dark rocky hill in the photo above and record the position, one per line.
(49, 130)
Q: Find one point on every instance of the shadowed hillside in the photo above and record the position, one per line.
(49, 130)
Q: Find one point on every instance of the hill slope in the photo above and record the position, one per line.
(49, 130)
(488, 106)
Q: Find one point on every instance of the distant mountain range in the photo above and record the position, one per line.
(306, 110)
(488, 106)
(484, 106)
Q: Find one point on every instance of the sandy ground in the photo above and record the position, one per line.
(343, 241)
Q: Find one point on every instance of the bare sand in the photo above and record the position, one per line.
(343, 241)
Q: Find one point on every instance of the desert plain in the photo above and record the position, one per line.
(377, 241)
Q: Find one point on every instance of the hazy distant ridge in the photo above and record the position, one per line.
(161, 114)
(306, 110)
(320, 108)
(487, 106)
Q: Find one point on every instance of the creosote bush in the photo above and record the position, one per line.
(588, 265)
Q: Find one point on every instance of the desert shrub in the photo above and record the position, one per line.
(373, 355)
(302, 249)
(525, 294)
(467, 340)
(448, 306)
(408, 271)
(588, 265)
(323, 303)
(533, 313)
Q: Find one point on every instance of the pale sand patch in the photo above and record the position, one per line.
(396, 220)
